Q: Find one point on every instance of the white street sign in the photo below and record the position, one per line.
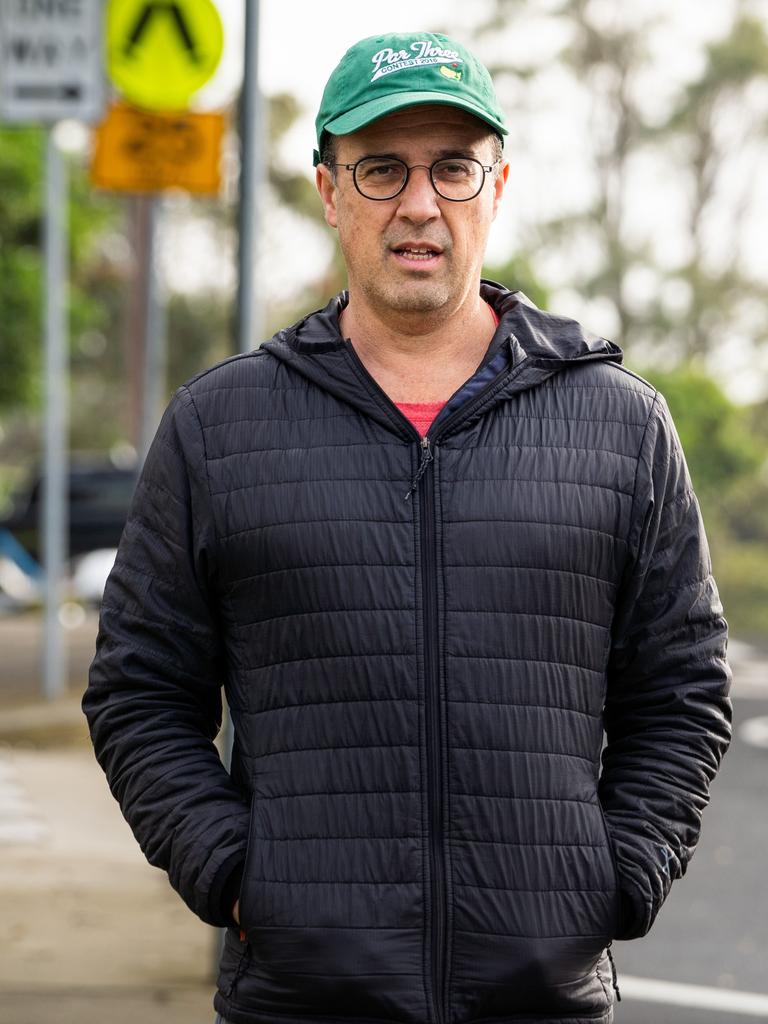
(51, 60)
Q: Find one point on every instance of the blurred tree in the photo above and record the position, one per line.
(20, 314)
(721, 129)
(199, 328)
(202, 328)
(607, 55)
(291, 187)
(294, 190)
(704, 146)
(708, 137)
(517, 273)
(21, 188)
(716, 434)
(726, 447)
(604, 55)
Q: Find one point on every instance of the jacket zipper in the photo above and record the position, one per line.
(433, 737)
(425, 479)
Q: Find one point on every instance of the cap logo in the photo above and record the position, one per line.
(423, 52)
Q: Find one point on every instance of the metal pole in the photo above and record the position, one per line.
(154, 361)
(251, 173)
(135, 319)
(55, 466)
(252, 137)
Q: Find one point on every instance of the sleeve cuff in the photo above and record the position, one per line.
(225, 890)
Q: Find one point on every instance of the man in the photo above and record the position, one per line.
(434, 543)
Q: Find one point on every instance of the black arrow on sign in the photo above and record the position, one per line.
(146, 14)
(30, 91)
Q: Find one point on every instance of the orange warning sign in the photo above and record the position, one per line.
(139, 151)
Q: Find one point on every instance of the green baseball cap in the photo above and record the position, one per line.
(385, 73)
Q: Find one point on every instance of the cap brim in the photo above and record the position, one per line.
(358, 118)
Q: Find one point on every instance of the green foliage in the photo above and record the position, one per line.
(732, 62)
(198, 335)
(741, 571)
(728, 461)
(518, 275)
(21, 260)
(713, 126)
(719, 96)
(293, 188)
(20, 294)
(714, 432)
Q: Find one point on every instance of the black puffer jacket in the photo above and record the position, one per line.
(418, 684)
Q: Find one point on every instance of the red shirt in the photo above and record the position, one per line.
(422, 414)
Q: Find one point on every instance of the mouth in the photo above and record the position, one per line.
(417, 254)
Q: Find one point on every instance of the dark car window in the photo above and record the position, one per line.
(99, 497)
(101, 492)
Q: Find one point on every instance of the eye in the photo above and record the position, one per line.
(375, 170)
(454, 170)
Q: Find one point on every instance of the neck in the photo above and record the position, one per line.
(420, 357)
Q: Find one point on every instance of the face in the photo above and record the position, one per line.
(381, 239)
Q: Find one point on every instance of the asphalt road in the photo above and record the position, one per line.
(713, 929)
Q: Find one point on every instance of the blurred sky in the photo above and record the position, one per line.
(300, 44)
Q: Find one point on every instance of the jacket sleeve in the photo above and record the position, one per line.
(667, 713)
(153, 701)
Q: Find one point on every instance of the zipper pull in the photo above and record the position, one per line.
(426, 458)
(614, 974)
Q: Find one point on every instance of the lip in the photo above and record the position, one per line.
(413, 262)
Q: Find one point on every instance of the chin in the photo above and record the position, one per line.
(427, 298)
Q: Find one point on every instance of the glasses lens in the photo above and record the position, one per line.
(458, 178)
(379, 178)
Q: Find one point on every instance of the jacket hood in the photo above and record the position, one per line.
(538, 343)
(543, 337)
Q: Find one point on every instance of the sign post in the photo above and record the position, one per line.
(154, 362)
(55, 508)
(158, 56)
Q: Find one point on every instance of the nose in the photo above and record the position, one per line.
(418, 200)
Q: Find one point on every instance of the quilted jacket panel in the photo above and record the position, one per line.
(423, 646)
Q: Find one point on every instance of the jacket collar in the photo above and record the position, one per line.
(538, 344)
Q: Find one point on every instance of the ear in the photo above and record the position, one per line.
(498, 185)
(327, 189)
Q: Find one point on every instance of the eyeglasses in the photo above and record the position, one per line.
(455, 178)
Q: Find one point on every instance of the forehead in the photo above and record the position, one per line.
(428, 127)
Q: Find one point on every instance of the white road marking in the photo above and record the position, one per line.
(750, 670)
(754, 732)
(19, 822)
(22, 833)
(673, 993)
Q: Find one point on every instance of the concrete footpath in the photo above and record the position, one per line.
(89, 932)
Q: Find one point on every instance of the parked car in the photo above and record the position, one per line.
(89, 575)
(99, 496)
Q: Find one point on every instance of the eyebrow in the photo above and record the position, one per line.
(437, 154)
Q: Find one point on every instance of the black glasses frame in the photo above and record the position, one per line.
(486, 168)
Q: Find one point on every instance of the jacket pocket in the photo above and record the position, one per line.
(246, 917)
(611, 853)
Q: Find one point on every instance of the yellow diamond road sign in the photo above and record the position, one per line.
(160, 54)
